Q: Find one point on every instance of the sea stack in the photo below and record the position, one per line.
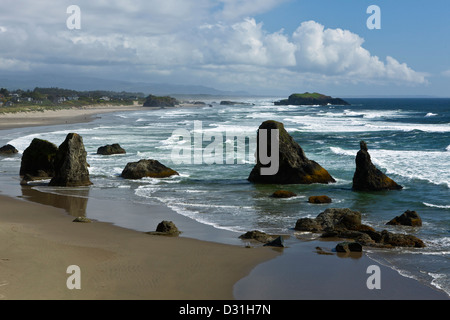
(367, 177)
(71, 168)
(38, 159)
(294, 167)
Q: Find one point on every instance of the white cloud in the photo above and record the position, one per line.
(182, 37)
(340, 52)
(446, 73)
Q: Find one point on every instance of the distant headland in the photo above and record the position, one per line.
(307, 98)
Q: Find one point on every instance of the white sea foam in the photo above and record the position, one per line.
(359, 122)
(431, 114)
(448, 148)
(436, 206)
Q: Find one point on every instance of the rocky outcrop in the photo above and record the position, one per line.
(155, 101)
(307, 98)
(367, 177)
(283, 194)
(278, 242)
(346, 224)
(111, 149)
(165, 228)
(71, 168)
(319, 199)
(38, 159)
(408, 218)
(258, 236)
(233, 103)
(348, 247)
(8, 150)
(294, 167)
(147, 168)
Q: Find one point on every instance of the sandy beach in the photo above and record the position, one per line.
(63, 116)
(38, 242)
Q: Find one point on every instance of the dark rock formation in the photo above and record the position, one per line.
(257, 236)
(346, 224)
(71, 168)
(319, 199)
(111, 149)
(82, 220)
(232, 103)
(166, 228)
(294, 166)
(147, 168)
(278, 242)
(307, 98)
(38, 159)
(8, 150)
(154, 101)
(367, 177)
(408, 218)
(349, 247)
(308, 224)
(283, 194)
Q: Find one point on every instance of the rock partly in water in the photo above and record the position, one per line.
(166, 228)
(147, 168)
(319, 199)
(294, 167)
(308, 224)
(283, 194)
(232, 103)
(155, 101)
(38, 159)
(257, 236)
(346, 224)
(307, 98)
(111, 149)
(278, 242)
(408, 218)
(337, 218)
(349, 247)
(367, 177)
(8, 150)
(71, 168)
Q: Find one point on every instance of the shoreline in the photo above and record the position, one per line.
(38, 244)
(62, 116)
(105, 250)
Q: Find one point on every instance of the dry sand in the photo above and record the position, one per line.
(63, 116)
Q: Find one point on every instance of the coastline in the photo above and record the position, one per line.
(62, 116)
(157, 267)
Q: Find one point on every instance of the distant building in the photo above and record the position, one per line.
(59, 100)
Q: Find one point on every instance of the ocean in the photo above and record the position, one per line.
(408, 139)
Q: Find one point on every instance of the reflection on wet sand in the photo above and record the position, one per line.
(74, 201)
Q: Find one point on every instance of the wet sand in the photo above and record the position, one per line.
(38, 243)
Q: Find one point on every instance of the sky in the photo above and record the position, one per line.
(264, 47)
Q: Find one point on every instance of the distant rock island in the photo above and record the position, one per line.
(307, 98)
(154, 101)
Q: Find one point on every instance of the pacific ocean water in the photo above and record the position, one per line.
(408, 139)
